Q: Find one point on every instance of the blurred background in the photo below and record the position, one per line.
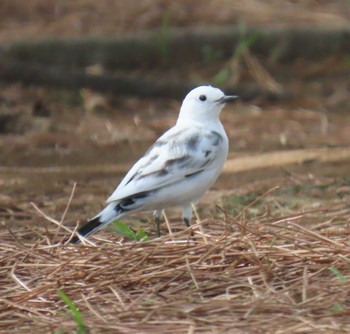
(87, 86)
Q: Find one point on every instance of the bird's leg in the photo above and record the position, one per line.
(158, 222)
(157, 219)
(186, 222)
(187, 215)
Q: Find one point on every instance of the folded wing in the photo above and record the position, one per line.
(178, 154)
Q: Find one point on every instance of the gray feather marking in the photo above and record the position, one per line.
(217, 138)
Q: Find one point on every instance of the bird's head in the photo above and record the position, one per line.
(204, 103)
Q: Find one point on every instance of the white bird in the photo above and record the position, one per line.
(178, 168)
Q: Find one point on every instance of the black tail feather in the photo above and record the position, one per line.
(110, 213)
(87, 229)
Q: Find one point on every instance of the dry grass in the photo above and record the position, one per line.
(236, 275)
(262, 276)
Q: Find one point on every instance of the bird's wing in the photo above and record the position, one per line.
(179, 153)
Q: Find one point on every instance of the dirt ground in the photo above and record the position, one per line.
(256, 278)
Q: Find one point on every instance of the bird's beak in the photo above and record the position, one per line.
(227, 98)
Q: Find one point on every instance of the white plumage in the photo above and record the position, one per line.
(180, 166)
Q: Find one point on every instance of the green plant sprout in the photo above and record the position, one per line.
(128, 232)
(75, 313)
(245, 42)
(338, 274)
(163, 38)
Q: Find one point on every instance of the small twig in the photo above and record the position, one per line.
(167, 223)
(287, 219)
(317, 235)
(93, 310)
(16, 279)
(199, 223)
(66, 209)
(118, 297)
(258, 199)
(52, 220)
(21, 283)
(252, 286)
(305, 284)
(191, 274)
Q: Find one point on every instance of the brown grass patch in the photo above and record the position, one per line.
(262, 276)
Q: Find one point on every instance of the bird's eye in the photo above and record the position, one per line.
(202, 97)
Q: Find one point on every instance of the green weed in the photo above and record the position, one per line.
(222, 76)
(128, 232)
(163, 38)
(338, 274)
(245, 42)
(336, 308)
(75, 313)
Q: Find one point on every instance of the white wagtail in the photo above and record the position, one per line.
(178, 168)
